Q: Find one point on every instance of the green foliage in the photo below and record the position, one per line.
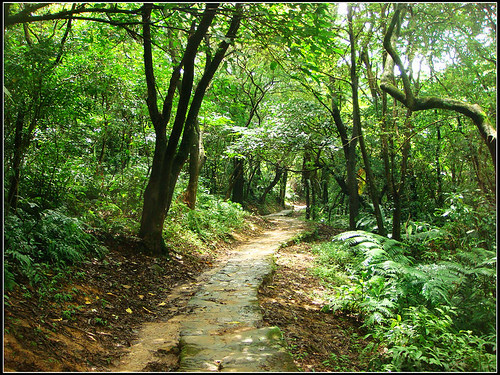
(430, 316)
(425, 340)
(35, 240)
(212, 220)
(469, 219)
(366, 220)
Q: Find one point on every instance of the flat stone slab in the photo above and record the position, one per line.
(223, 330)
(242, 350)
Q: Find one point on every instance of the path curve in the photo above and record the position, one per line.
(221, 328)
(224, 329)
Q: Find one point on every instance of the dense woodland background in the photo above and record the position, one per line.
(168, 121)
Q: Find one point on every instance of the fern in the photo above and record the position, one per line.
(46, 237)
(376, 251)
(443, 308)
(8, 277)
(360, 239)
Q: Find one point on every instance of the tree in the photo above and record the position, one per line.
(197, 158)
(414, 103)
(298, 93)
(356, 116)
(170, 155)
(31, 103)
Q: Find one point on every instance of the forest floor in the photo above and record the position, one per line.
(98, 314)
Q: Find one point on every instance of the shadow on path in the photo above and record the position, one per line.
(223, 331)
(221, 326)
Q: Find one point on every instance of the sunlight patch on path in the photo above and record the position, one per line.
(220, 328)
(223, 330)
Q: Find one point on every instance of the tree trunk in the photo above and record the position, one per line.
(282, 196)
(396, 217)
(13, 194)
(314, 194)
(153, 211)
(352, 181)
(306, 180)
(357, 125)
(274, 182)
(398, 192)
(349, 148)
(307, 192)
(170, 155)
(239, 185)
(236, 182)
(249, 194)
(324, 186)
(196, 160)
(439, 193)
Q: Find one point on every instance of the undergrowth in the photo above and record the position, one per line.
(430, 304)
(211, 221)
(41, 243)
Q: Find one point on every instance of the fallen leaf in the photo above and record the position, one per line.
(141, 296)
(147, 310)
(234, 322)
(129, 310)
(111, 294)
(151, 294)
(126, 286)
(162, 304)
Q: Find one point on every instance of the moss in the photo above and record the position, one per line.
(189, 350)
(274, 334)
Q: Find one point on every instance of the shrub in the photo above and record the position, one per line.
(425, 340)
(212, 220)
(431, 316)
(47, 237)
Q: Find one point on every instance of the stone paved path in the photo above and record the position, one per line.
(224, 330)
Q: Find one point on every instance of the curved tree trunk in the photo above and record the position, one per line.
(170, 155)
(274, 182)
(407, 98)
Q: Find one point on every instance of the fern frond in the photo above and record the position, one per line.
(23, 259)
(427, 235)
(357, 236)
(439, 281)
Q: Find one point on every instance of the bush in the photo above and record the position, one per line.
(44, 237)
(425, 340)
(212, 220)
(431, 316)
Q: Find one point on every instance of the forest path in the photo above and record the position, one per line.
(222, 329)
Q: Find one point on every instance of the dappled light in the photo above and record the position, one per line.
(250, 187)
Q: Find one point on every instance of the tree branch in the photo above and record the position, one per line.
(207, 77)
(473, 111)
(25, 16)
(152, 98)
(188, 76)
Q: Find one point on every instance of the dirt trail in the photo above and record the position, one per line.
(220, 328)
